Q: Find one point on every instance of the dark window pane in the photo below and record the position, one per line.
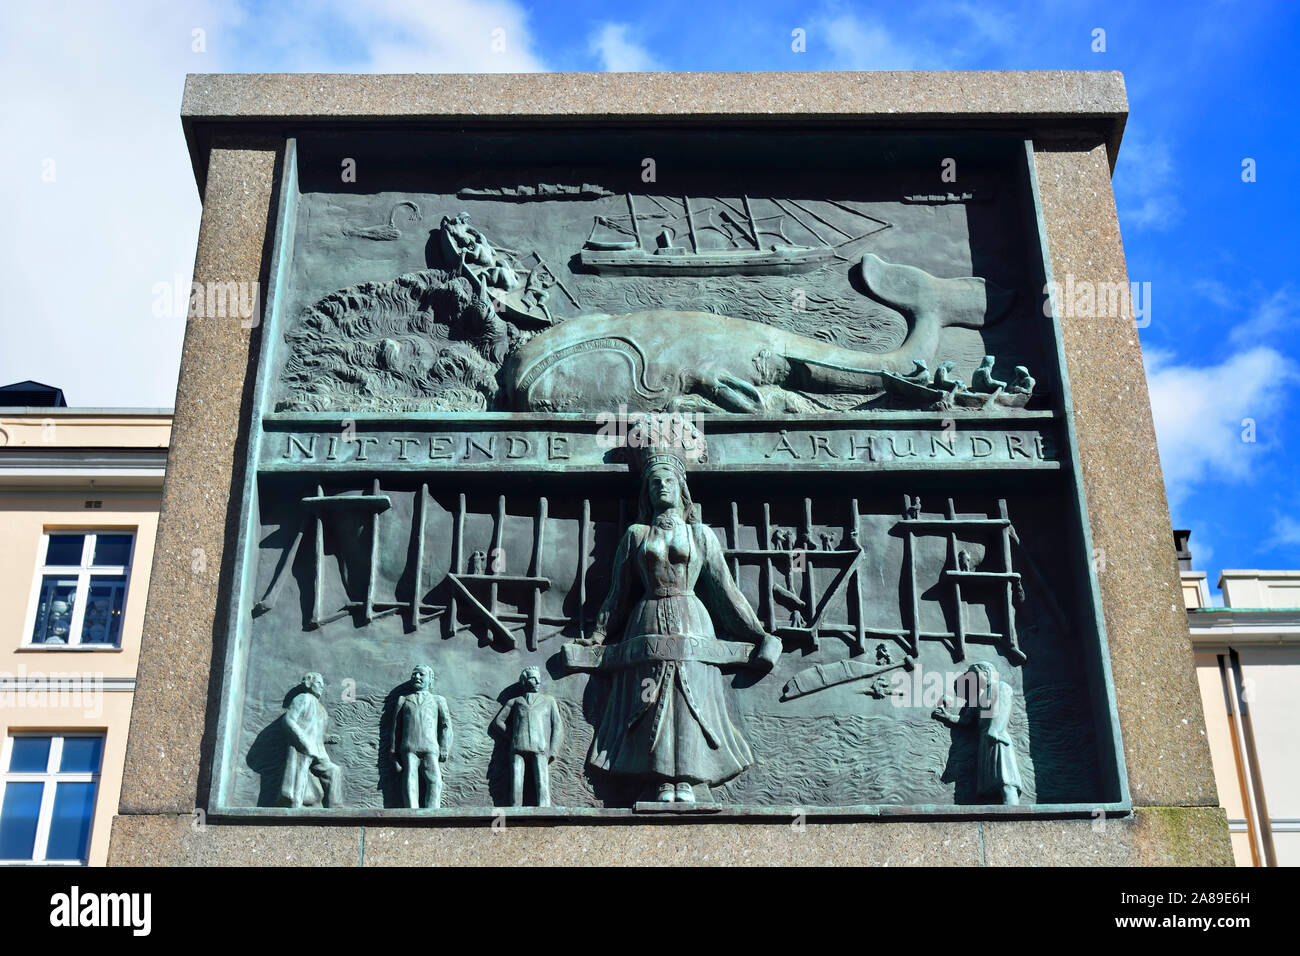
(102, 623)
(18, 819)
(54, 609)
(112, 549)
(74, 805)
(65, 549)
(81, 754)
(30, 755)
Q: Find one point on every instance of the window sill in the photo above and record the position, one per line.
(43, 863)
(67, 648)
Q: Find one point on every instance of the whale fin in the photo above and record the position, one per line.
(968, 301)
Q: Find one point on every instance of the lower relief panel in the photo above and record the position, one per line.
(840, 642)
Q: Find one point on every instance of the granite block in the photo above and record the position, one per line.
(707, 844)
(159, 839)
(1152, 836)
(198, 520)
(854, 95)
(1159, 701)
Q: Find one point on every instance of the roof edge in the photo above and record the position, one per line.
(958, 99)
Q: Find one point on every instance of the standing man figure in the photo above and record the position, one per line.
(422, 740)
(305, 722)
(536, 733)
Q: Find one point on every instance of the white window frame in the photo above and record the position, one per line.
(51, 778)
(83, 573)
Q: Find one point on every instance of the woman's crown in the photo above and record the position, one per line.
(665, 440)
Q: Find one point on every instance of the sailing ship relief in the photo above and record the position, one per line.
(718, 237)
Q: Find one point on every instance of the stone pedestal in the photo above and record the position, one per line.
(237, 128)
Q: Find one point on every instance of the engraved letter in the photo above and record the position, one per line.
(783, 445)
(937, 442)
(471, 445)
(402, 445)
(820, 442)
(911, 448)
(1016, 444)
(295, 443)
(361, 446)
(869, 446)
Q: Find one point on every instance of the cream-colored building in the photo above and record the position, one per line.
(1248, 662)
(79, 497)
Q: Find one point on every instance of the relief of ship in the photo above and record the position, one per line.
(724, 239)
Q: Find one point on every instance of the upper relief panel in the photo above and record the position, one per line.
(717, 273)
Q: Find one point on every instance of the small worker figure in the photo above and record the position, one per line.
(988, 706)
(945, 380)
(1023, 383)
(422, 740)
(920, 373)
(305, 722)
(982, 379)
(535, 730)
(537, 290)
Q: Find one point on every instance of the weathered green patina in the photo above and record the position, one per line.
(761, 462)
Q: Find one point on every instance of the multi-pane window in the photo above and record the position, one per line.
(81, 588)
(47, 796)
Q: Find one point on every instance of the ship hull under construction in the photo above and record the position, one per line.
(776, 261)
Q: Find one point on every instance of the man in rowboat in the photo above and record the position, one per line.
(476, 249)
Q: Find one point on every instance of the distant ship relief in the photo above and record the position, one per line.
(723, 238)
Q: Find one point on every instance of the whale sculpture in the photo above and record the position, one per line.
(665, 360)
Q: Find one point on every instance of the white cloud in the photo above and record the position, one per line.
(393, 36)
(855, 44)
(1154, 212)
(1217, 292)
(96, 88)
(97, 94)
(1286, 532)
(1279, 311)
(1201, 411)
(928, 35)
(617, 53)
(1145, 190)
(998, 28)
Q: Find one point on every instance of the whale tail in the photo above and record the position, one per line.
(967, 301)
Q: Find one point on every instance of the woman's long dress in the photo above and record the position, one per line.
(997, 753)
(666, 717)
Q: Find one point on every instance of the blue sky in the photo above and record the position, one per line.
(95, 88)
